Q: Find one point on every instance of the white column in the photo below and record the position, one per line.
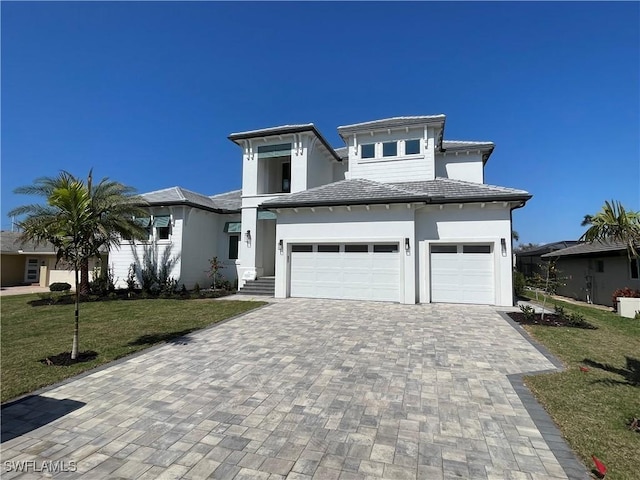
(247, 253)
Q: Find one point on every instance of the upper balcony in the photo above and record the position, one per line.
(286, 159)
(274, 169)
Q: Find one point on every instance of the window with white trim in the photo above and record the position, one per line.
(234, 240)
(390, 149)
(411, 147)
(162, 226)
(368, 150)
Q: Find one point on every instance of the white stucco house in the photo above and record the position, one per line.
(398, 214)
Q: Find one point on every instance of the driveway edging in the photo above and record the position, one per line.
(567, 458)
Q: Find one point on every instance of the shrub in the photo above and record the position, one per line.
(560, 312)
(519, 283)
(623, 292)
(59, 287)
(103, 284)
(196, 288)
(577, 320)
(529, 312)
(131, 277)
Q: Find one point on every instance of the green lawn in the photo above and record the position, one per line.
(592, 408)
(112, 329)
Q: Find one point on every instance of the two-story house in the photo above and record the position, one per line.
(399, 214)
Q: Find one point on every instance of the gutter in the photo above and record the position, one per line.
(189, 204)
(393, 200)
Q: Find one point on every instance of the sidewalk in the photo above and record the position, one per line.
(22, 290)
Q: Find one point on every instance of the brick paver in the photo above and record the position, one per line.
(301, 389)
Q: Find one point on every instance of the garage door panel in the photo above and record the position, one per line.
(466, 276)
(346, 274)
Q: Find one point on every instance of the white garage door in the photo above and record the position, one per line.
(362, 271)
(462, 274)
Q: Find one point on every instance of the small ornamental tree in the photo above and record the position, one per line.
(214, 268)
(78, 219)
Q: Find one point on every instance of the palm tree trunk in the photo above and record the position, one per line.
(84, 277)
(74, 348)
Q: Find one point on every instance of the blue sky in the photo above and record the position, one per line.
(146, 93)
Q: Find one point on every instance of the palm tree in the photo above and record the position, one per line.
(78, 219)
(614, 223)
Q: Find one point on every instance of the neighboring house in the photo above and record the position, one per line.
(591, 272)
(28, 263)
(399, 214)
(529, 261)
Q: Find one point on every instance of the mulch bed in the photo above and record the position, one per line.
(550, 320)
(64, 359)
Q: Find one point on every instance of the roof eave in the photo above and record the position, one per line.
(394, 200)
(186, 203)
(486, 150)
(347, 130)
(235, 137)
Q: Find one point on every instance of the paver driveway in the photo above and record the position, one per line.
(301, 389)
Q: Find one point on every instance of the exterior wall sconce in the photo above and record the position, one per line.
(280, 246)
(503, 247)
(407, 247)
(247, 237)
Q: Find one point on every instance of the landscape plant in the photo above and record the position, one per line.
(614, 223)
(214, 270)
(153, 272)
(79, 219)
(59, 287)
(623, 292)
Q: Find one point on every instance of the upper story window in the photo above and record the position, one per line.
(368, 150)
(271, 151)
(162, 225)
(390, 149)
(411, 147)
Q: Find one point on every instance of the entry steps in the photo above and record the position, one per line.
(265, 286)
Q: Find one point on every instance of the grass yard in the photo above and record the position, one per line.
(112, 329)
(593, 408)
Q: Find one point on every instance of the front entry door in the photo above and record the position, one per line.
(32, 270)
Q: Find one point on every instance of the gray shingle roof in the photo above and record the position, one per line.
(228, 201)
(465, 145)
(546, 248)
(10, 243)
(283, 130)
(343, 152)
(587, 248)
(178, 195)
(392, 122)
(361, 192)
(263, 132)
